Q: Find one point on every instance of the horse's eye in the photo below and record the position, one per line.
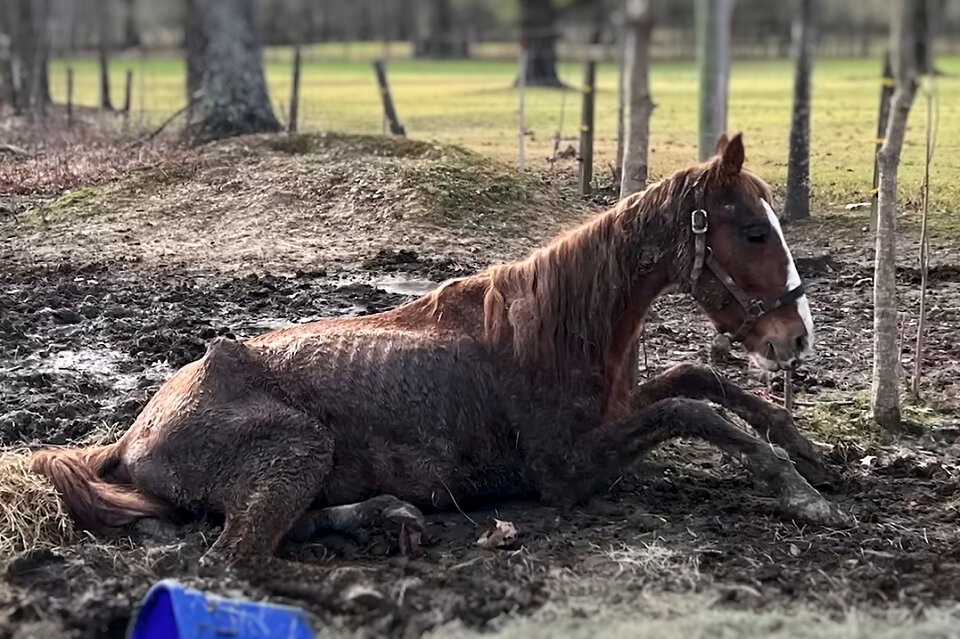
(756, 234)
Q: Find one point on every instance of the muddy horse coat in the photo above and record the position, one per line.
(513, 381)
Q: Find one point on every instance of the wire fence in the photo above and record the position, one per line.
(474, 103)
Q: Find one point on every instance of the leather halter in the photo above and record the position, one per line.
(753, 307)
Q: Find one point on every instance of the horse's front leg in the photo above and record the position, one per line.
(598, 454)
(771, 422)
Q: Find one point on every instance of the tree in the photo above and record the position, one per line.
(910, 56)
(538, 34)
(131, 35)
(797, 202)
(8, 94)
(28, 22)
(713, 22)
(225, 72)
(639, 104)
(103, 53)
(436, 35)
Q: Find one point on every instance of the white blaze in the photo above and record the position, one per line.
(793, 278)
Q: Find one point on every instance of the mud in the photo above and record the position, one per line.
(104, 292)
(82, 347)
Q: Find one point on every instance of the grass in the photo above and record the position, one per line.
(668, 618)
(471, 103)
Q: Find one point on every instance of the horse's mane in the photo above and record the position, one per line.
(558, 302)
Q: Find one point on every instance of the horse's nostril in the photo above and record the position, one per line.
(769, 351)
(801, 344)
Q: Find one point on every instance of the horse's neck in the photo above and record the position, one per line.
(648, 257)
(630, 267)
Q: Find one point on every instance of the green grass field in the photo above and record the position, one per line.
(471, 103)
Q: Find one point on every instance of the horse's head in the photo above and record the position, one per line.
(743, 275)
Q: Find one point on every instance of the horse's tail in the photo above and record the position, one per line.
(95, 504)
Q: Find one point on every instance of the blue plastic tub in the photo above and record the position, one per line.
(170, 611)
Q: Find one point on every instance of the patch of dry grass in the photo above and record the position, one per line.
(32, 514)
(52, 158)
(653, 562)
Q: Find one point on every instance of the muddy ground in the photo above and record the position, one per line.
(86, 336)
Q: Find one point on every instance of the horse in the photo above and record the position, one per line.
(514, 381)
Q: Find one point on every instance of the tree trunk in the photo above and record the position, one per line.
(797, 202)
(538, 33)
(437, 37)
(103, 54)
(131, 35)
(228, 72)
(713, 23)
(639, 103)
(30, 43)
(194, 43)
(909, 33)
(8, 94)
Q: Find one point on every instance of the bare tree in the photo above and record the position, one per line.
(28, 22)
(538, 32)
(910, 56)
(8, 94)
(226, 70)
(131, 35)
(713, 24)
(103, 53)
(639, 104)
(797, 202)
(437, 36)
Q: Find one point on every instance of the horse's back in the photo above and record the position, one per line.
(407, 408)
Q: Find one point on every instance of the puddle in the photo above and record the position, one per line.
(404, 285)
(102, 364)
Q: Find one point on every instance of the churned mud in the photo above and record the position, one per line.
(85, 339)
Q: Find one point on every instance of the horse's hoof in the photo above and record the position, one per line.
(814, 509)
(213, 563)
(411, 537)
(412, 527)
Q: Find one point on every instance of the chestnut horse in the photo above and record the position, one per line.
(514, 381)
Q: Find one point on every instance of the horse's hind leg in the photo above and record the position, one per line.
(770, 421)
(613, 446)
(352, 518)
(276, 482)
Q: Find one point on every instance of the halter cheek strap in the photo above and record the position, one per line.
(753, 307)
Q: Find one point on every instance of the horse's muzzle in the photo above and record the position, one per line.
(784, 354)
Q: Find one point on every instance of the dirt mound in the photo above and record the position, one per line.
(289, 202)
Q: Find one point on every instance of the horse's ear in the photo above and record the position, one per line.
(722, 143)
(732, 158)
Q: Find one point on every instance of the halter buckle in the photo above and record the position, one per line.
(756, 308)
(698, 222)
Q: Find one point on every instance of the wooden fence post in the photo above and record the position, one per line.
(127, 97)
(395, 127)
(69, 97)
(886, 92)
(521, 106)
(294, 92)
(586, 127)
(128, 91)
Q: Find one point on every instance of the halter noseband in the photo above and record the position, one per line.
(703, 256)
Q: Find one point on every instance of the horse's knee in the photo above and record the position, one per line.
(687, 371)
